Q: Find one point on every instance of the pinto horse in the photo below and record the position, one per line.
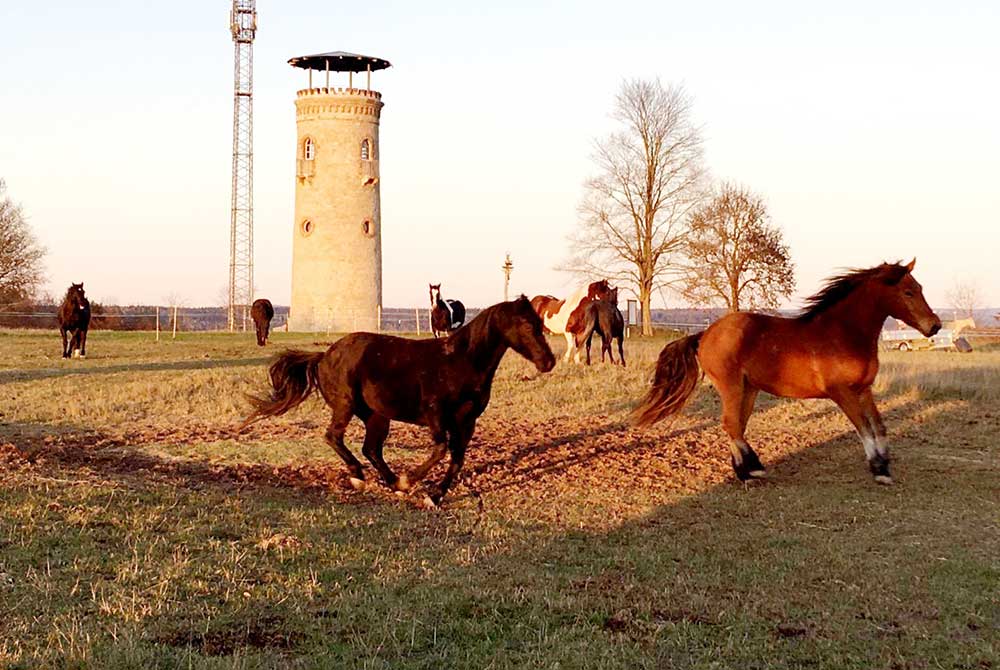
(74, 320)
(446, 315)
(828, 351)
(604, 318)
(442, 384)
(567, 317)
(262, 311)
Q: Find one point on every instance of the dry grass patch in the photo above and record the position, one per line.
(138, 530)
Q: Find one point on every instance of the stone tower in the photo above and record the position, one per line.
(337, 239)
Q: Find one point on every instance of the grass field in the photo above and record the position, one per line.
(138, 530)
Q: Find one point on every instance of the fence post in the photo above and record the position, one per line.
(174, 335)
(157, 323)
(416, 311)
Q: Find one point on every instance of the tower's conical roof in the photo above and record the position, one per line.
(339, 61)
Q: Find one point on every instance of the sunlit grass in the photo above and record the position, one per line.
(138, 530)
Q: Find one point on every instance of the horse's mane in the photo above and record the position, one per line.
(477, 331)
(840, 286)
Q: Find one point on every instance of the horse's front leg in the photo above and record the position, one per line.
(879, 465)
(457, 443)
(857, 407)
(83, 344)
(440, 437)
(65, 340)
(571, 347)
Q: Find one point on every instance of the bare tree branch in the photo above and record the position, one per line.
(734, 256)
(20, 253)
(634, 212)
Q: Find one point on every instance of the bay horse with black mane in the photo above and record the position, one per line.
(446, 315)
(442, 384)
(568, 317)
(604, 318)
(74, 321)
(262, 311)
(828, 351)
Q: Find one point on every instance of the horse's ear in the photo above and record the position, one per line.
(909, 266)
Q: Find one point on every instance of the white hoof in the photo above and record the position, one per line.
(885, 480)
(357, 484)
(758, 474)
(429, 504)
(402, 484)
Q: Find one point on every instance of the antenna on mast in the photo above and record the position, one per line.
(243, 25)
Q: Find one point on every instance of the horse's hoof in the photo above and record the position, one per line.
(885, 480)
(357, 484)
(402, 484)
(758, 474)
(429, 504)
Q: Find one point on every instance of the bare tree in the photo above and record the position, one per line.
(964, 297)
(734, 256)
(634, 211)
(20, 253)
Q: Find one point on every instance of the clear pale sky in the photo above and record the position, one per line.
(871, 129)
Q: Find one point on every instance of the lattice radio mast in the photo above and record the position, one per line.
(243, 24)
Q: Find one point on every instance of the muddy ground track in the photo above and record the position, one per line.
(516, 457)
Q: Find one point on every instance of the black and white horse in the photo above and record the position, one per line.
(446, 315)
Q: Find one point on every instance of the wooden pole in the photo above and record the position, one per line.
(416, 310)
(350, 80)
(327, 74)
(157, 323)
(174, 335)
(369, 76)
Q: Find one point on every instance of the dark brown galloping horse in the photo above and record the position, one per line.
(262, 311)
(74, 321)
(829, 351)
(443, 384)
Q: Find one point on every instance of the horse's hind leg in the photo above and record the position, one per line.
(83, 344)
(335, 438)
(621, 349)
(737, 405)
(376, 430)
(65, 340)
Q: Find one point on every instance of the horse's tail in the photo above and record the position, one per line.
(677, 377)
(293, 379)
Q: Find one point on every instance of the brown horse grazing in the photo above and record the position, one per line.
(829, 351)
(74, 319)
(604, 318)
(442, 384)
(262, 311)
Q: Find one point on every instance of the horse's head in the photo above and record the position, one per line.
(522, 330)
(76, 296)
(903, 298)
(435, 290)
(599, 290)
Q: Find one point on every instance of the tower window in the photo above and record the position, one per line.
(308, 149)
(368, 228)
(307, 228)
(365, 150)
